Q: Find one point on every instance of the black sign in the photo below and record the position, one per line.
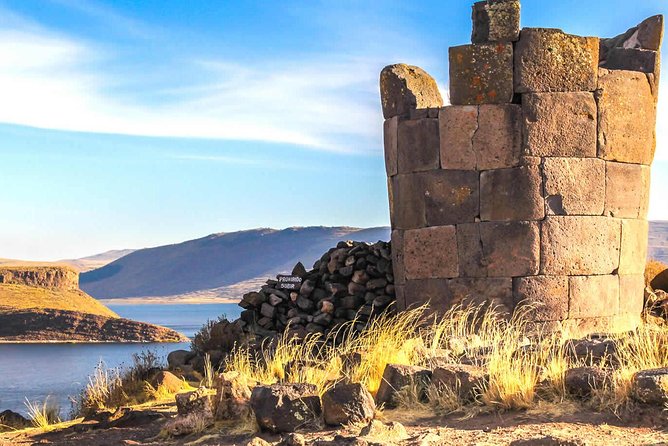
(292, 283)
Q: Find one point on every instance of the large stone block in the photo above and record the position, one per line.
(434, 292)
(407, 202)
(593, 296)
(431, 253)
(498, 249)
(398, 257)
(633, 255)
(647, 35)
(626, 190)
(481, 74)
(451, 196)
(482, 138)
(560, 124)
(580, 327)
(633, 59)
(458, 124)
(631, 294)
(495, 292)
(418, 145)
(390, 135)
(404, 88)
(546, 296)
(574, 186)
(512, 194)
(498, 141)
(548, 60)
(580, 245)
(496, 21)
(626, 117)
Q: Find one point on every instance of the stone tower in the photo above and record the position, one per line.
(533, 186)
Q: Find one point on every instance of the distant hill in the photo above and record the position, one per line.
(658, 240)
(82, 265)
(90, 263)
(223, 265)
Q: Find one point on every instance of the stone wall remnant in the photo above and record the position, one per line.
(532, 187)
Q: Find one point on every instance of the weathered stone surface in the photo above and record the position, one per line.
(418, 145)
(546, 295)
(458, 124)
(580, 381)
(13, 420)
(167, 381)
(626, 117)
(285, 407)
(601, 324)
(512, 194)
(498, 141)
(560, 124)
(467, 380)
(633, 247)
(496, 21)
(431, 253)
(485, 249)
(647, 35)
(633, 59)
(631, 294)
(392, 431)
(651, 386)
(400, 297)
(192, 402)
(593, 296)
(346, 404)
(451, 196)
(232, 400)
(390, 135)
(576, 245)
(431, 291)
(480, 138)
(626, 190)
(481, 74)
(396, 377)
(548, 60)
(495, 292)
(405, 87)
(179, 358)
(592, 351)
(574, 186)
(407, 209)
(398, 257)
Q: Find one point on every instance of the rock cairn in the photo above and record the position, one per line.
(353, 281)
(533, 185)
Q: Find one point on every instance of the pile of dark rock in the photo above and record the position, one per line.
(353, 281)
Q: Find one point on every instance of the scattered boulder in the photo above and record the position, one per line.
(347, 403)
(179, 358)
(13, 420)
(285, 407)
(194, 413)
(168, 381)
(396, 377)
(651, 386)
(392, 431)
(656, 275)
(467, 380)
(580, 381)
(293, 439)
(592, 351)
(232, 397)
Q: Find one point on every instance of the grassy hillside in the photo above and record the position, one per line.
(21, 297)
(218, 261)
(82, 265)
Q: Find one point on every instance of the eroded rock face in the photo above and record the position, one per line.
(651, 386)
(405, 87)
(285, 407)
(396, 377)
(54, 277)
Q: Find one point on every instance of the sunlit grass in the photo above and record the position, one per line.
(43, 415)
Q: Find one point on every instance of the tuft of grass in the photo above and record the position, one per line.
(43, 415)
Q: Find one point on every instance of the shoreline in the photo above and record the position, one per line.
(55, 341)
(169, 301)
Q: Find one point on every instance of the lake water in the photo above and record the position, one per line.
(60, 371)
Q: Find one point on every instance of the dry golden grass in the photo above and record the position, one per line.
(21, 297)
(43, 415)
(525, 369)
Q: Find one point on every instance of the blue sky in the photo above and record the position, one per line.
(127, 124)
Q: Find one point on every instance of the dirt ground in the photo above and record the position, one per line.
(566, 423)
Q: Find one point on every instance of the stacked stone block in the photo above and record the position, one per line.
(532, 187)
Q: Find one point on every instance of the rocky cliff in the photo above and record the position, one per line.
(53, 277)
